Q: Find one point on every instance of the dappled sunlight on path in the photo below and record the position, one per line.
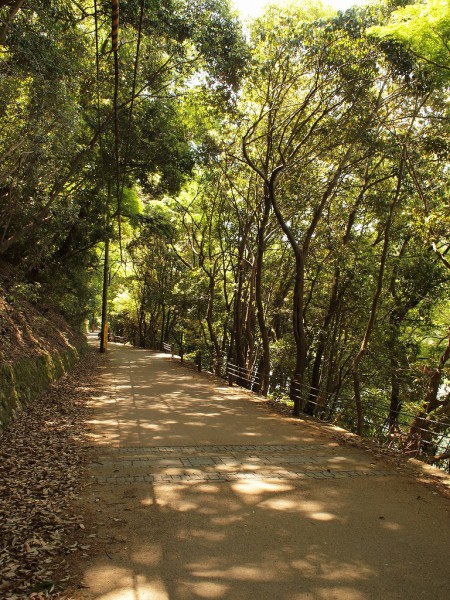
(199, 492)
(152, 396)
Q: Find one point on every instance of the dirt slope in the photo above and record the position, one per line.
(28, 328)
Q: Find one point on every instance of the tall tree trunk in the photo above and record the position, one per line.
(250, 323)
(261, 241)
(236, 352)
(395, 403)
(299, 333)
(141, 324)
(163, 325)
(210, 323)
(373, 311)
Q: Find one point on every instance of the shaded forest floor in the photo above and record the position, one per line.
(42, 455)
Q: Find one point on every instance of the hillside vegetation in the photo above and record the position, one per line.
(37, 346)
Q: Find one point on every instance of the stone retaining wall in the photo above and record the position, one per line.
(24, 380)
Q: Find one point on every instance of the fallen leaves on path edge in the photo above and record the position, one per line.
(43, 454)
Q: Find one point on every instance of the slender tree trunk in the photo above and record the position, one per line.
(299, 334)
(238, 325)
(395, 403)
(163, 326)
(419, 429)
(103, 332)
(210, 323)
(311, 405)
(373, 311)
(141, 323)
(168, 324)
(395, 319)
(265, 362)
(250, 323)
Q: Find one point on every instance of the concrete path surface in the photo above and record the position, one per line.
(198, 491)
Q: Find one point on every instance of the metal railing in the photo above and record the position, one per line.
(432, 435)
(248, 378)
(168, 348)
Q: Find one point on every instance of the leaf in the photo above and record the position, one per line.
(37, 522)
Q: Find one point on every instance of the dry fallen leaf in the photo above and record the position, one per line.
(42, 457)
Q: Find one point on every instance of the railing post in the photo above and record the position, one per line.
(181, 347)
(230, 377)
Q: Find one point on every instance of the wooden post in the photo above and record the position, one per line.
(230, 378)
(181, 348)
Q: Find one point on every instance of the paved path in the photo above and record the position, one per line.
(200, 492)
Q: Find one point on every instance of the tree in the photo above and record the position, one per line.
(66, 147)
(312, 101)
(423, 29)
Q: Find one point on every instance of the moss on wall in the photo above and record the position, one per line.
(24, 380)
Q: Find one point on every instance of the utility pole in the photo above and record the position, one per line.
(104, 329)
(114, 48)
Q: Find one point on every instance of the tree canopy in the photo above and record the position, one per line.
(273, 200)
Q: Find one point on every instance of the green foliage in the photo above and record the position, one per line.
(424, 29)
(261, 184)
(218, 36)
(131, 205)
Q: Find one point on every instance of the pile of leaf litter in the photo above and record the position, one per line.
(42, 459)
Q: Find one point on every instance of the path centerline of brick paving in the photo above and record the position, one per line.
(198, 491)
(226, 463)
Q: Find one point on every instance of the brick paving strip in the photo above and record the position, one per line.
(220, 464)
